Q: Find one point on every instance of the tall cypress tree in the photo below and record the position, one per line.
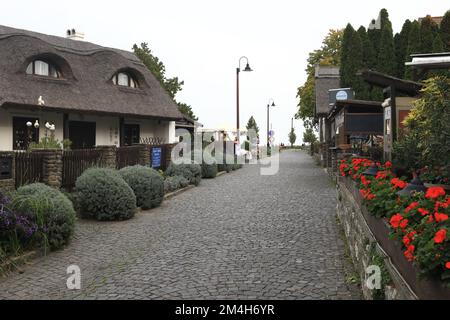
(445, 31)
(438, 45)
(428, 29)
(368, 61)
(413, 45)
(401, 45)
(386, 55)
(352, 62)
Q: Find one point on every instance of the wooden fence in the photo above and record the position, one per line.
(29, 168)
(75, 162)
(128, 156)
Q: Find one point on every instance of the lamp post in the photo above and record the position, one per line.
(238, 70)
(270, 104)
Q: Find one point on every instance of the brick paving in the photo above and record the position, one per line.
(239, 236)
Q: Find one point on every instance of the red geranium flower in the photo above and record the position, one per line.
(380, 175)
(447, 265)
(409, 252)
(440, 236)
(395, 220)
(398, 183)
(435, 192)
(404, 223)
(388, 164)
(423, 211)
(439, 217)
(411, 206)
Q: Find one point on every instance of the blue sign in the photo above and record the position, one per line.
(156, 157)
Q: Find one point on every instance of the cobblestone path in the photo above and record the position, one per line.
(239, 236)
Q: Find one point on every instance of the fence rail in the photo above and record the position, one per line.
(75, 162)
(29, 168)
(127, 156)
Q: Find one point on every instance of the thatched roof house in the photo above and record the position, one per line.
(70, 81)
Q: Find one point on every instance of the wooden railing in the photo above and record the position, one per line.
(75, 162)
(128, 156)
(29, 168)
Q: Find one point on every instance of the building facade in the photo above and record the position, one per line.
(80, 91)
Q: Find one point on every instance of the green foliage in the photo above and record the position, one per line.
(174, 183)
(292, 137)
(192, 172)
(209, 171)
(429, 122)
(445, 31)
(352, 62)
(329, 55)
(103, 194)
(438, 45)
(413, 45)
(47, 142)
(51, 210)
(309, 136)
(428, 28)
(147, 185)
(158, 69)
(386, 62)
(251, 124)
(401, 46)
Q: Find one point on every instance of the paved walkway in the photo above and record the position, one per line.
(239, 236)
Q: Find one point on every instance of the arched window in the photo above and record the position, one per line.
(42, 68)
(124, 79)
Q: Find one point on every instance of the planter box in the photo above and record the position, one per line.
(423, 288)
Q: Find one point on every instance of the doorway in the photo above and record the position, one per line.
(82, 134)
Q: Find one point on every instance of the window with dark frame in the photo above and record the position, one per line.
(125, 80)
(43, 68)
(23, 135)
(132, 134)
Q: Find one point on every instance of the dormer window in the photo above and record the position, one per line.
(125, 80)
(42, 68)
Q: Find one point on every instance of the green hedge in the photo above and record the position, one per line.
(103, 194)
(147, 184)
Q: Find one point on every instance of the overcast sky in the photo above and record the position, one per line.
(201, 42)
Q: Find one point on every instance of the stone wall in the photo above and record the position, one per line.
(366, 250)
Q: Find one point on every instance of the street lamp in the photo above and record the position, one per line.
(270, 104)
(238, 70)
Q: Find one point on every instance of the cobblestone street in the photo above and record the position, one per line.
(239, 236)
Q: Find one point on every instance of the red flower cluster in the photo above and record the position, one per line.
(440, 236)
(411, 206)
(398, 221)
(397, 183)
(409, 253)
(365, 193)
(435, 192)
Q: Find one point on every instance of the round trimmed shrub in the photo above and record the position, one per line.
(174, 183)
(192, 172)
(209, 171)
(103, 194)
(147, 184)
(51, 210)
(224, 167)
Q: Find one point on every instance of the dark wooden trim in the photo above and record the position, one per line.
(122, 131)
(65, 126)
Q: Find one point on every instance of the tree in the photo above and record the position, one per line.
(401, 46)
(413, 45)
(438, 45)
(292, 137)
(251, 125)
(445, 31)
(328, 54)
(428, 29)
(186, 110)
(309, 136)
(386, 54)
(352, 63)
(158, 69)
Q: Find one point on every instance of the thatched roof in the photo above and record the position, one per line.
(86, 84)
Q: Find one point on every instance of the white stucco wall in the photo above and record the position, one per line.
(107, 128)
(6, 122)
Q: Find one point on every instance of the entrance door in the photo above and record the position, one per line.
(82, 134)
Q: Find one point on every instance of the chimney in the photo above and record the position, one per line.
(74, 35)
